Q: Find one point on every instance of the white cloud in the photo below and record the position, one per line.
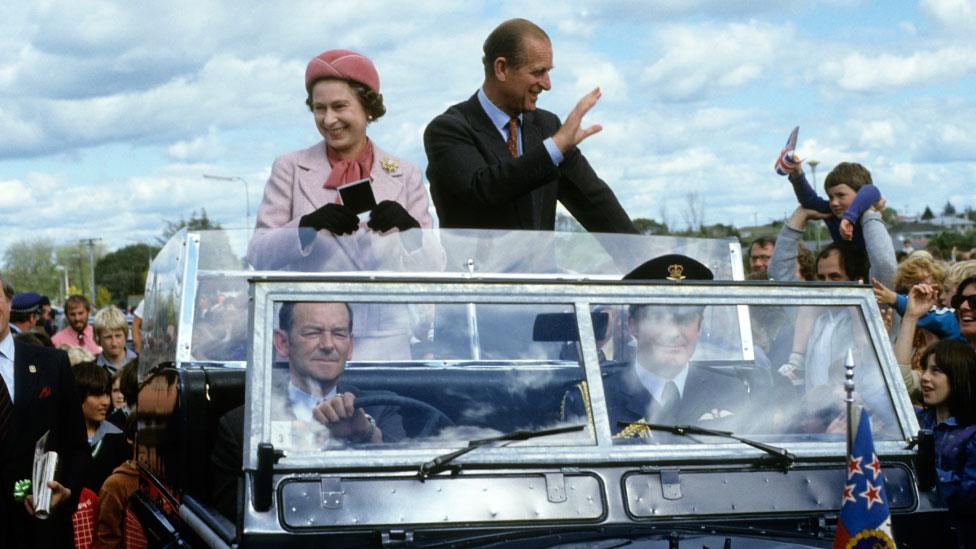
(707, 59)
(204, 147)
(881, 73)
(954, 15)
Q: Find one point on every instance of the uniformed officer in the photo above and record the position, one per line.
(25, 310)
(662, 385)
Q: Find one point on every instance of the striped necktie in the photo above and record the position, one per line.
(6, 410)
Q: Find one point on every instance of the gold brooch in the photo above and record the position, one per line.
(676, 272)
(32, 369)
(388, 164)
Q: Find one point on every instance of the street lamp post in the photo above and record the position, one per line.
(813, 172)
(62, 283)
(247, 195)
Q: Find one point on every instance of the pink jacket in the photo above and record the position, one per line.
(296, 188)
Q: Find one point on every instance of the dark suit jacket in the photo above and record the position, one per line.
(44, 399)
(709, 400)
(475, 182)
(228, 454)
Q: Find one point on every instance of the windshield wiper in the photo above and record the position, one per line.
(441, 462)
(781, 454)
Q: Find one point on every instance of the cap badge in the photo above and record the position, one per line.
(676, 272)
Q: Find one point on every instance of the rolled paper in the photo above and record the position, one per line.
(788, 160)
(21, 489)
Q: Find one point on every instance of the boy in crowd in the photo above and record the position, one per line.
(850, 192)
(111, 333)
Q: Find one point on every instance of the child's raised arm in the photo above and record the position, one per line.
(805, 194)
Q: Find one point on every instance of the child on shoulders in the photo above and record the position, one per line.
(850, 192)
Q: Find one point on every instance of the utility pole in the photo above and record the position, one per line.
(91, 266)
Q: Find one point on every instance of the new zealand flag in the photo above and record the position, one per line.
(865, 521)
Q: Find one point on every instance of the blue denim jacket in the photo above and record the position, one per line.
(955, 460)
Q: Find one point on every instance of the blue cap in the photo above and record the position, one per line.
(26, 302)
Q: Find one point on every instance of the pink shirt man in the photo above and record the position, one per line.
(85, 339)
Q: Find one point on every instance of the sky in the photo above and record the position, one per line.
(112, 112)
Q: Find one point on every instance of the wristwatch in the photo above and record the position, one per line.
(368, 435)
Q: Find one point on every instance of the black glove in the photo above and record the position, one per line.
(335, 218)
(389, 214)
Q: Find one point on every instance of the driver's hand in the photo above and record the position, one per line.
(344, 420)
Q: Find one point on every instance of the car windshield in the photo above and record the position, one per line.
(436, 374)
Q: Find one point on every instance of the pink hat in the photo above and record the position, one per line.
(344, 64)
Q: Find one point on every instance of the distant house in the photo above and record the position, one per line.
(919, 232)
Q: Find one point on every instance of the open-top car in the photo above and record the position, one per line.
(506, 392)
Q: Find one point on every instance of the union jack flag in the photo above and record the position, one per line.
(788, 160)
(865, 520)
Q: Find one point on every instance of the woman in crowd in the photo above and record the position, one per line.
(949, 393)
(964, 302)
(956, 273)
(302, 194)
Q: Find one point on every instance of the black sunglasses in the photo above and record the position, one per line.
(958, 300)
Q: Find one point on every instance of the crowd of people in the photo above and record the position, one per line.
(495, 161)
(79, 385)
(929, 307)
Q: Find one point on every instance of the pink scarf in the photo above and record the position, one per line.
(346, 171)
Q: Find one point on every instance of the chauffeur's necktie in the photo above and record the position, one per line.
(513, 136)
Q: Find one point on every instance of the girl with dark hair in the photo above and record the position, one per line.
(949, 392)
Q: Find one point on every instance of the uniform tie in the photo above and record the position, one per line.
(513, 136)
(667, 410)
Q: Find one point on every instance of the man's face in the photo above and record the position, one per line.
(759, 257)
(77, 317)
(112, 343)
(521, 86)
(317, 346)
(666, 337)
(829, 269)
(95, 407)
(4, 312)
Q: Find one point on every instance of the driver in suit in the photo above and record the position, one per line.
(662, 385)
(312, 407)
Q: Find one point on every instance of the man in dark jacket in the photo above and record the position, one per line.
(37, 396)
(495, 161)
